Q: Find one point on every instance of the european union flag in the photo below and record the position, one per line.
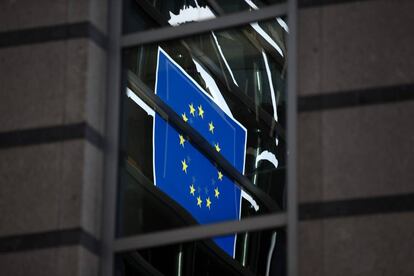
(180, 170)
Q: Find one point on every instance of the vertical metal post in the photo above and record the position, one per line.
(113, 96)
(291, 142)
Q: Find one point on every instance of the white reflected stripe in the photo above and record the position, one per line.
(262, 32)
(266, 37)
(272, 90)
(224, 59)
(213, 88)
(282, 24)
(268, 156)
(140, 103)
(269, 255)
(250, 199)
(251, 4)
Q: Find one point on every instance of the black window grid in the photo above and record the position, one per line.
(116, 43)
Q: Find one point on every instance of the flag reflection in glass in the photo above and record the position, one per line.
(183, 172)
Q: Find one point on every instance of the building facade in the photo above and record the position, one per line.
(67, 124)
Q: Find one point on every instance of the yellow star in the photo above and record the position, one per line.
(218, 149)
(192, 190)
(192, 109)
(208, 203)
(199, 201)
(216, 192)
(185, 166)
(200, 111)
(220, 175)
(182, 140)
(211, 127)
(184, 117)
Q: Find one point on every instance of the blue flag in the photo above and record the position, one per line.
(180, 169)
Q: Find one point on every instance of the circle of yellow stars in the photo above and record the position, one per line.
(200, 113)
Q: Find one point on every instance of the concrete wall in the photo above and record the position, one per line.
(52, 104)
(356, 138)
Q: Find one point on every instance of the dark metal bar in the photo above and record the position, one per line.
(199, 232)
(113, 96)
(197, 140)
(223, 22)
(292, 209)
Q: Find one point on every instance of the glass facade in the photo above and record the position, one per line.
(144, 15)
(246, 81)
(202, 153)
(264, 256)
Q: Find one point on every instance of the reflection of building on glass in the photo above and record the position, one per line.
(190, 14)
(242, 72)
(202, 13)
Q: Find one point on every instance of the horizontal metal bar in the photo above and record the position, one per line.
(200, 142)
(199, 232)
(219, 23)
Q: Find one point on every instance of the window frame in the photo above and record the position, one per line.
(110, 245)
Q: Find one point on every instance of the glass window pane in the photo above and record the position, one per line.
(142, 15)
(135, 18)
(256, 253)
(229, 86)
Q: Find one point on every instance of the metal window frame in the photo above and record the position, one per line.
(222, 22)
(116, 43)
